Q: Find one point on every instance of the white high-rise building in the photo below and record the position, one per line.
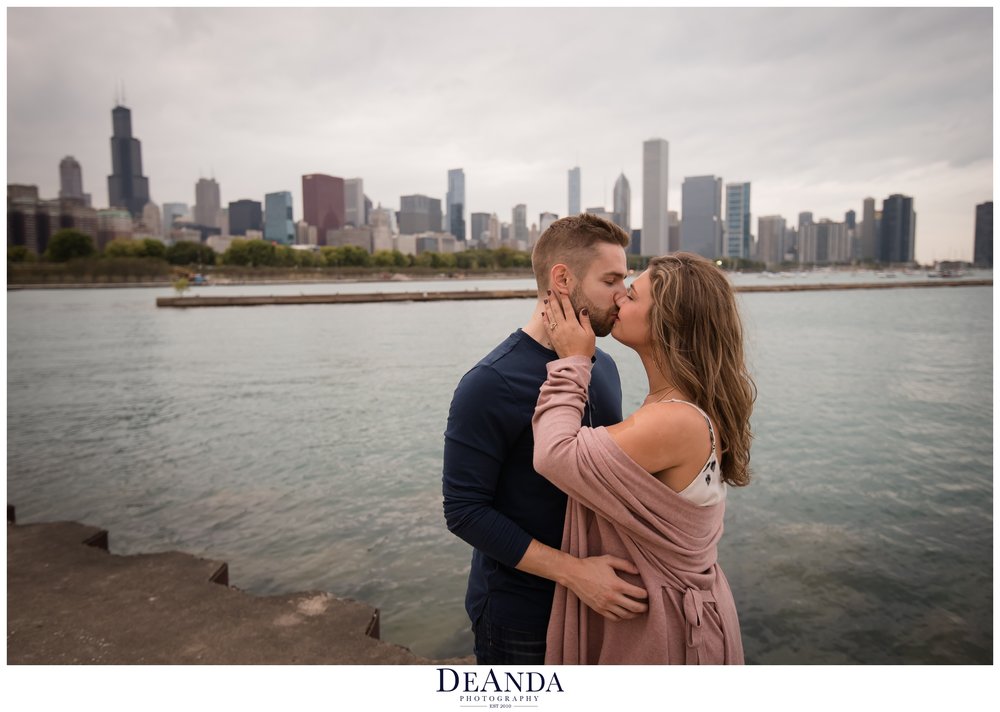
(151, 220)
(574, 191)
(623, 203)
(655, 179)
(771, 239)
(354, 202)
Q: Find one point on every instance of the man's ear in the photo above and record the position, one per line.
(560, 279)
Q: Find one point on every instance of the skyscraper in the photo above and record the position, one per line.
(520, 223)
(673, 231)
(738, 220)
(128, 189)
(455, 203)
(623, 203)
(824, 242)
(354, 202)
(869, 235)
(983, 249)
(151, 222)
(546, 219)
(574, 191)
(170, 212)
(701, 216)
(244, 215)
(419, 213)
(898, 230)
(480, 223)
(771, 239)
(71, 180)
(323, 203)
(278, 224)
(207, 203)
(655, 179)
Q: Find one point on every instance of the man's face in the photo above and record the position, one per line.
(601, 287)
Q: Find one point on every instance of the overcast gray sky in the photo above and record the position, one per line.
(817, 108)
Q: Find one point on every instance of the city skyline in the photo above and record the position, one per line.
(924, 78)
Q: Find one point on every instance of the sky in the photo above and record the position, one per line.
(816, 108)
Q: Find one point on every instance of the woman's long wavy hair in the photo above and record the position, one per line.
(698, 340)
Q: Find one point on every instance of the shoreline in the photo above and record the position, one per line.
(391, 277)
(71, 601)
(460, 295)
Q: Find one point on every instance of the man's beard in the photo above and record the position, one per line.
(601, 320)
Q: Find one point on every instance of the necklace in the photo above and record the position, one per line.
(666, 389)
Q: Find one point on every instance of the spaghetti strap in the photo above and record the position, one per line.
(711, 430)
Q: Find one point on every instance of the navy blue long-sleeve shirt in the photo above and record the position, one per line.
(493, 498)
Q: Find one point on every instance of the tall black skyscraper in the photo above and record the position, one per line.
(896, 238)
(128, 189)
(244, 215)
(983, 250)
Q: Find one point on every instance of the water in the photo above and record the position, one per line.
(302, 444)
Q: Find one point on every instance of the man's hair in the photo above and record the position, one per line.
(573, 242)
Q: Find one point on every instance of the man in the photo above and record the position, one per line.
(493, 498)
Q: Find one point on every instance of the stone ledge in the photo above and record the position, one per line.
(73, 603)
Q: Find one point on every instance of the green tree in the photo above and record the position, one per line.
(123, 247)
(284, 256)
(383, 258)
(69, 244)
(262, 254)
(20, 253)
(424, 259)
(355, 256)
(190, 253)
(307, 258)
(443, 260)
(153, 248)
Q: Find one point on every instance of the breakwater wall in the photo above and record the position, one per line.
(71, 601)
(250, 301)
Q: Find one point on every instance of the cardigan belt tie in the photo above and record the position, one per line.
(694, 601)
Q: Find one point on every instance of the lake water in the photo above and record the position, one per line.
(302, 444)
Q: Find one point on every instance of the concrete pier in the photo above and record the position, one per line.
(69, 601)
(231, 301)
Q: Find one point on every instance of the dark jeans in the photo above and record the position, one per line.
(497, 645)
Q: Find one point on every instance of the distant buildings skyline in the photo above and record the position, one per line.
(332, 203)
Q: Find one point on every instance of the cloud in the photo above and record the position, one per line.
(795, 100)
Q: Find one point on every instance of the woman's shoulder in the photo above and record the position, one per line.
(663, 434)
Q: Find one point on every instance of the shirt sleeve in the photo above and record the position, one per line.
(481, 430)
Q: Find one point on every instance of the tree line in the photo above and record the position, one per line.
(71, 244)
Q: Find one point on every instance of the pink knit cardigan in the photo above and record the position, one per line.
(616, 507)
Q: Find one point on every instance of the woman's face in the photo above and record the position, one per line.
(631, 327)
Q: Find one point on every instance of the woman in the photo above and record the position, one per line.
(652, 489)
